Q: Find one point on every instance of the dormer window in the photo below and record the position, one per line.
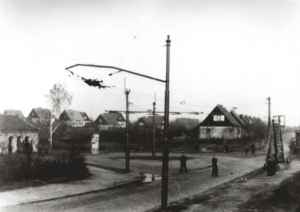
(219, 118)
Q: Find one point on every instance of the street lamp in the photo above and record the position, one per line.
(166, 81)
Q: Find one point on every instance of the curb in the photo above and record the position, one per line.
(114, 186)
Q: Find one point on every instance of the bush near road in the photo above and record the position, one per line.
(55, 166)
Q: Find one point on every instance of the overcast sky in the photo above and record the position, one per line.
(230, 52)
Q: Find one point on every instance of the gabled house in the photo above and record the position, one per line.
(110, 120)
(220, 124)
(74, 118)
(13, 132)
(40, 118)
(14, 113)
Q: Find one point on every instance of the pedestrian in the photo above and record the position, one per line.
(183, 166)
(246, 150)
(253, 149)
(10, 147)
(226, 148)
(215, 171)
(27, 149)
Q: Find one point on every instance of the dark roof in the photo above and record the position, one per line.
(110, 118)
(14, 113)
(41, 113)
(39, 117)
(74, 115)
(14, 123)
(220, 110)
(66, 132)
(238, 118)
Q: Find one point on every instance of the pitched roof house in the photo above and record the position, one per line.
(74, 118)
(13, 130)
(14, 113)
(220, 124)
(110, 120)
(40, 118)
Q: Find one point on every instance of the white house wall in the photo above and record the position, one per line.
(219, 132)
(33, 137)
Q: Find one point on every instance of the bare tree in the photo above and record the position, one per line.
(59, 99)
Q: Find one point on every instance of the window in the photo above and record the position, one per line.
(218, 118)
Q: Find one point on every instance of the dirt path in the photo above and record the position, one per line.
(229, 197)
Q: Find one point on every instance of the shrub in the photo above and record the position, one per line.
(18, 167)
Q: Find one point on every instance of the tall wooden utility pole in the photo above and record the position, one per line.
(153, 129)
(165, 158)
(269, 139)
(269, 113)
(127, 150)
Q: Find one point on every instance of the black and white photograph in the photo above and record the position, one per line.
(150, 105)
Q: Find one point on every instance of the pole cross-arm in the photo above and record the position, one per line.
(116, 68)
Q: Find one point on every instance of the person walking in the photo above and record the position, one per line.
(253, 149)
(183, 166)
(246, 150)
(214, 163)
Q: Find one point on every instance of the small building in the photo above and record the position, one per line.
(110, 120)
(220, 124)
(83, 138)
(40, 118)
(14, 113)
(14, 130)
(74, 118)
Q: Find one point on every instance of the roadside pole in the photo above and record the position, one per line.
(153, 130)
(165, 159)
(127, 151)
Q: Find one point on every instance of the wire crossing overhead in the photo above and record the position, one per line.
(150, 112)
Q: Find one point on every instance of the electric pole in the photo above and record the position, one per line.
(269, 113)
(153, 128)
(127, 151)
(165, 158)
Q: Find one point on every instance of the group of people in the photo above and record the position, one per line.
(214, 165)
(24, 146)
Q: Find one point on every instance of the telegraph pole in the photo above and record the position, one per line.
(165, 158)
(269, 112)
(127, 151)
(153, 128)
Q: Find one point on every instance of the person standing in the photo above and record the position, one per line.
(253, 149)
(183, 166)
(246, 150)
(10, 147)
(214, 163)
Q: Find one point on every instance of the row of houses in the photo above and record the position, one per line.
(72, 125)
(76, 126)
